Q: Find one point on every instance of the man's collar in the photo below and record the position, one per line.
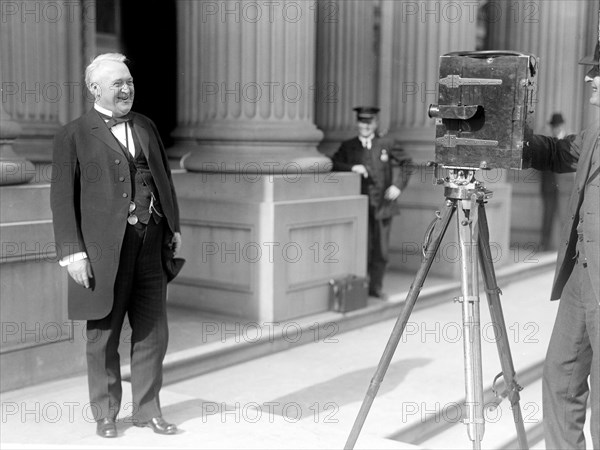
(104, 111)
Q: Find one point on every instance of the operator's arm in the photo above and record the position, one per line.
(556, 155)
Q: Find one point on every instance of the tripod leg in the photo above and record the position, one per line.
(468, 234)
(411, 298)
(493, 296)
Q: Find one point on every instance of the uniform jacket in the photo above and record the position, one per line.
(574, 153)
(90, 194)
(386, 164)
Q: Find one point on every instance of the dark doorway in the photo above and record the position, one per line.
(149, 36)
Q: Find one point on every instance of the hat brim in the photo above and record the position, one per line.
(589, 61)
(592, 60)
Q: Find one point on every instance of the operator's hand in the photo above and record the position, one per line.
(176, 242)
(81, 272)
(392, 193)
(361, 170)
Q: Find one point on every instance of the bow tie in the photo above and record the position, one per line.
(112, 121)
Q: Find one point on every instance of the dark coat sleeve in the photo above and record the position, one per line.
(165, 162)
(556, 155)
(65, 196)
(342, 161)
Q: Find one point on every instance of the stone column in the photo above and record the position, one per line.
(414, 35)
(246, 90)
(265, 225)
(347, 67)
(545, 30)
(42, 88)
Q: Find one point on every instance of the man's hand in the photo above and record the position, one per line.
(392, 193)
(361, 170)
(81, 272)
(176, 242)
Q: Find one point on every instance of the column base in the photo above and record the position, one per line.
(265, 148)
(16, 172)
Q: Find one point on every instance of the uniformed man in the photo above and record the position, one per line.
(374, 158)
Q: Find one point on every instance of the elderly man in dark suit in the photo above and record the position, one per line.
(374, 157)
(114, 211)
(574, 349)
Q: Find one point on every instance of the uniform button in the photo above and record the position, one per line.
(117, 161)
(121, 178)
(581, 220)
(124, 195)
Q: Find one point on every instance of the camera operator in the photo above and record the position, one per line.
(574, 349)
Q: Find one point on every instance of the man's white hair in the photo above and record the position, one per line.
(97, 62)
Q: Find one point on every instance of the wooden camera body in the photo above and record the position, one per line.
(486, 102)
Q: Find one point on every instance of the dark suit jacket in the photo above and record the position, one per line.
(386, 163)
(574, 153)
(90, 194)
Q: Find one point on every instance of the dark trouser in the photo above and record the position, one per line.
(379, 238)
(573, 355)
(550, 201)
(140, 292)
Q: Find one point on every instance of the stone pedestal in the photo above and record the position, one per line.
(38, 342)
(264, 247)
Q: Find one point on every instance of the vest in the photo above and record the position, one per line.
(143, 187)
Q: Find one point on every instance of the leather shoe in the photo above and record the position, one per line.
(378, 294)
(158, 425)
(106, 428)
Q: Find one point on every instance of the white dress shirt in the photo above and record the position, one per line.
(366, 141)
(121, 131)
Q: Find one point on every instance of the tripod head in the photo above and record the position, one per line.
(459, 182)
